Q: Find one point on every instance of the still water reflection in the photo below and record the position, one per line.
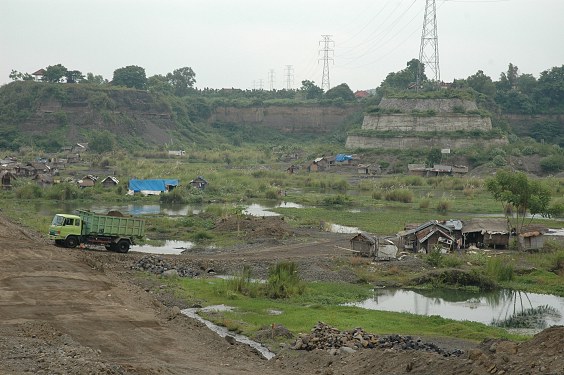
(459, 305)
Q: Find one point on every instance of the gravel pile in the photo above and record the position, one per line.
(159, 266)
(325, 337)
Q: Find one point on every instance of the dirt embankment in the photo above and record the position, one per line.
(72, 311)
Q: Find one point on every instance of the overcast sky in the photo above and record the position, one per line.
(238, 43)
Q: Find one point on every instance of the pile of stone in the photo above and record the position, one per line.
(325, 337)
(159, 266)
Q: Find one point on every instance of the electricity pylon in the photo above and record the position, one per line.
(271, 79)
(429, 50)
(328, 51)
(289, 76)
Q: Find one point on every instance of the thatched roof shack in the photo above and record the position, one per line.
(532, 237)
(426, 236)
(488, 232)
(6, 178)
(368, 246)
(364, 243)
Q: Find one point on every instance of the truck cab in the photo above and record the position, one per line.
(66, 230)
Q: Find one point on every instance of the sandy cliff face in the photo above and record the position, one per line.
(438, 105)
(291, 119)
(123, 113)
(407, 117)
(447, 122)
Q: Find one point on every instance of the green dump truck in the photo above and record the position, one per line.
(116, 233)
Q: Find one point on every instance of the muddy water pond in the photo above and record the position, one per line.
(507, 308)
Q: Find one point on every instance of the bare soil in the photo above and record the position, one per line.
(74, 311)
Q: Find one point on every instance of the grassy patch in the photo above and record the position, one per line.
(321, 302)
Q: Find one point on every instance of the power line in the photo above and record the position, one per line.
(328, 51)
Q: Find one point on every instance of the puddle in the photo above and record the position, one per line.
(256, 209)
(336, 228)
(502, 305)
(169, 247)
(289, 205)
(222, 331)
(231, 277)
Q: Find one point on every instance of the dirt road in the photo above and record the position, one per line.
(59, 315)
(66, 311)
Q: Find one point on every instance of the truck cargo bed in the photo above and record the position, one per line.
(97, 224)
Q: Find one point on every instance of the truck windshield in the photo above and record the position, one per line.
(58, 220)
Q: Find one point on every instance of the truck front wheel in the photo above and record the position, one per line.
(123, 246)
(71, 241)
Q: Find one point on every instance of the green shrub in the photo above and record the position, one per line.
(552, 164)
(528, 150)
(443, 206)
(499, 269)
(243, 283)
(413, 181)
(376, 195)
(271, 194)
(284, 281)
(336, 200)
(435, 257)
(340, 185)
(499, 161)
(61, 117)
(63, 192)
(478, 259)
(452, 261)
(175, 196)
(28, 191)
(400, 195)
(201, 236)
(424, 203)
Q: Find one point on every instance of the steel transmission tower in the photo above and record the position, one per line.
(429, 50)
(271, 79)
(289, 76)
(327, 50)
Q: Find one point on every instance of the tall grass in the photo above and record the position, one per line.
(400, 195)
(243, 283)
(284, 281)
(443, 206)
(499, 269)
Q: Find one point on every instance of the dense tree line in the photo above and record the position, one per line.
(513, 92)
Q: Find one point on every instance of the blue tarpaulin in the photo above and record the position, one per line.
(152, 185)
(343, 157)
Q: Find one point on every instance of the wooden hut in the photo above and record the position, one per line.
(6, 178)
(363, 244)
(109, 182)
(366, 245)
(486, 232)
(424, 237)
(199, 183)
